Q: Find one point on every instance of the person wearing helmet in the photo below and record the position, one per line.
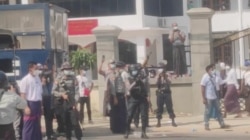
(164, 95)
(9, 103)
(64, 91)
(136, 97)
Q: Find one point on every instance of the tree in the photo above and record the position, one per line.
(82, 58)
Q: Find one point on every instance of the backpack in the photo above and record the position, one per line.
(119, 84)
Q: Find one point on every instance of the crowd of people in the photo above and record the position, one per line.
(127, 95)
(221, 82)
(126, 98)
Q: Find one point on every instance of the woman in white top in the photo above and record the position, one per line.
(231, 103)
(246, 82)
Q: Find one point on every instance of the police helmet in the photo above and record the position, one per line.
(3, 80)
(66, 65)
(133, 70)
(120, 64)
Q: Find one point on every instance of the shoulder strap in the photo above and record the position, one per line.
(1, 94)
(213, 85)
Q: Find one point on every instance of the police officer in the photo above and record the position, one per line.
(164, 97)
(65, 87)
(137, 96)
(145, 80)
(57, 103)
(9, 102)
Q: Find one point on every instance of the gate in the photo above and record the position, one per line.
(227, 50)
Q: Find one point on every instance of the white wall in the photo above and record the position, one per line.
(225, 21)
(150, 21)
(246, 19)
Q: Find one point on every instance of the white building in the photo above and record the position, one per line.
(145, 25)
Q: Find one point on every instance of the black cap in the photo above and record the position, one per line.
(120, 64)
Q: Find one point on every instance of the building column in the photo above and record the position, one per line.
(242, 50)
(106, 45)
(140, 10)
(201, 49)
(12, 2)
(28, 1)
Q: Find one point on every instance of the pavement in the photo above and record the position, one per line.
(189, 128)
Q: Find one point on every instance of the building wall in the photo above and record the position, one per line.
(181, 95)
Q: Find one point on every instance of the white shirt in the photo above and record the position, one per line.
(83, 82)
(210, 92)
(218, 81)
(232, 78)
(125, 76)
(247, 78)
(31, 86)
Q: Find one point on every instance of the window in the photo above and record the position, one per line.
(6, 65)
(218, 5)
(126, 49)
(18, 1)
(163, 8)
(92, 8)
(4, 2)
(223, 53)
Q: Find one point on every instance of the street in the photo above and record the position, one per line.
(190, 128)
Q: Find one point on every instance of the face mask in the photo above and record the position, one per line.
(160, 70)
(134, 72)
(112, 66)
(67, 72)
(37, 72)
(175, 27)
(214, 72)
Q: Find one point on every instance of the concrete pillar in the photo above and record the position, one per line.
(201, 49)
(107, 45)
(12, 2)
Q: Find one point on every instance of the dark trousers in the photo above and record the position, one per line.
(137, 116)
(179, 60)
(48, 115)
(164, 99)
(133, 104)
(71, 121)
(59, 113)
(7, 132)
(83, 101)
(118, 114)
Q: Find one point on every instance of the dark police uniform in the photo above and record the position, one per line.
(66, 84)
(137, 112)
(138, 98)
(164, 97)
(57, 104)
(47, 102)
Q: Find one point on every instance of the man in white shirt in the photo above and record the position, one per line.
(85, 86)
(31, 90)
(208, 89)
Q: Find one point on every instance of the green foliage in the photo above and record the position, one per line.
(82, 58)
